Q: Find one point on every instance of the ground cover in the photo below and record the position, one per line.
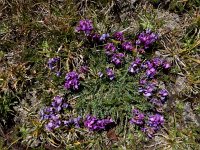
(99, 75)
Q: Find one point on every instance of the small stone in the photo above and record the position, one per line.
(180, 84)
(189, 116)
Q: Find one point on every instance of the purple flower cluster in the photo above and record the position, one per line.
(147, 88)
(97, 38)
(117, 59)
(166, 65)
(53, 123)
(110, 49)
(55, 117)
(52, 113)
(151, 72)
(163, 95)
(85, 25)
(100, 74)
(151, 91)
(135, 66)
(95, 124)
(53, 65)
(148, 85)
(127, 46)
(104, 37)
(110, 73)
(138, 117)
(146, 39)
(156, 121)
(72, 81)
(73, 122)
(151, 67)
(151, 126)
(118, 36)
(94, 37)
(156, 63)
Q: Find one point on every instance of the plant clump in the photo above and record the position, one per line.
(115, 54)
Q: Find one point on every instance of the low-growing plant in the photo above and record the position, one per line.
(101, 90)
(97, 83)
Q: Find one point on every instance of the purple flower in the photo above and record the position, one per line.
(95, 124)
(154, 124)
(146, 38)
(127, 46)
(65, 105)
(110, 48)
(163, 94)
(166, 65)
(118, 36)
(53, 114)
(104, 37)
(151, 72)
(67, 123)
(147, 65)
(141, 89)
(72, 81)
(43, 115)
(147, 89)
(138, 117)
(58, 100)
(148, 93)
(157, 62)
(54, 117)
(150, 131)
(110, 73)
(138, 42)
(57, 103)
(49, 110)
(142, 81)
(135, 66)
(73, 122)
(77, 121)
(53, 124)
(85, 26)
(117, 59)
(100, 74)
(138, 61)
(156, 121)
(94, 37)
(49, 126)
(52, 62)
(58, 73)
